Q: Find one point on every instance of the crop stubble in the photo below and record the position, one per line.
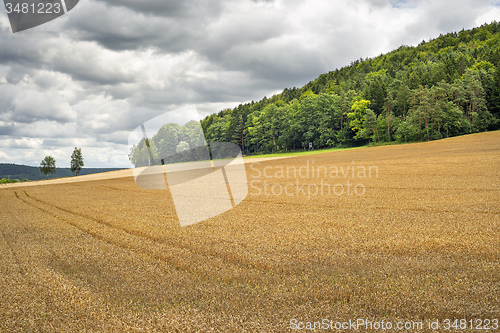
(421, 243)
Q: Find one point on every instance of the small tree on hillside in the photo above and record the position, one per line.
(76, 161)
(48, 165)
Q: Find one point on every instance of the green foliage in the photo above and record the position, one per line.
(144, 153)
(357, 116)
(443, 87)
(174, 143)
(370, 128)
(48, 166)
(76, 161)
(308, 93)
(10, 181)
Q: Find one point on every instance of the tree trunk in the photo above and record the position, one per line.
(388, 129)
(427, 127)
(420, 127)
(242, 144)
(388, 121)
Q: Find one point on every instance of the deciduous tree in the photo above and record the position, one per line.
(77, 161)
(48, 165)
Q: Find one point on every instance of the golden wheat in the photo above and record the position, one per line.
(421, 243)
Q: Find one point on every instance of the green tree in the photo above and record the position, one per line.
(167, 139)
(215, 132)
(376, 93)
(370, 126)
(306, 94)
(239, 133)
(403, 131)
(267, 128)
(389, 101)
(293, 128)
(452, 117)
(476, 110)
(48, 165)
(329, 114)
(422, 110)
(494, 100)
(77, 161)
(403, 95)
(184, 153)
(357, 116)
(192, 134)
(145, 153)
(182, 147)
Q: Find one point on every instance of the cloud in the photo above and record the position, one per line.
(91, 76)
(23, 143)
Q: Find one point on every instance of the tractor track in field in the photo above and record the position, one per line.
(138, 242)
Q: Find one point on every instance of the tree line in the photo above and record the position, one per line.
(445, 87)
(172, 143)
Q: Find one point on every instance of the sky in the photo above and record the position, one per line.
(90, 77)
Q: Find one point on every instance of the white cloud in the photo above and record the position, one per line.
(24, 143)
(487, 16)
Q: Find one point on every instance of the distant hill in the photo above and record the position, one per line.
(443, 87)
(16, 171)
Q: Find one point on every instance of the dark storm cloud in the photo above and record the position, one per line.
(175, 26)
(106, 28)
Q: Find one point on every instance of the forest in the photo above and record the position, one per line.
(445, 87)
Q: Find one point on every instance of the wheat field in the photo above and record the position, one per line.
(418, 241)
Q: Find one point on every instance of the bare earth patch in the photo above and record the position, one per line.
(421, 243)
